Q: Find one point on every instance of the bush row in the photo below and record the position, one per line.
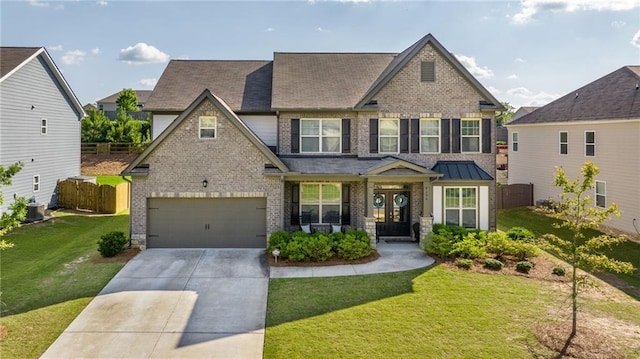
(318, 247)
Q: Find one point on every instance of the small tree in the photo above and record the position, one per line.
(577, 214)
(503, 117)
(18, 209)
(95, 127)
(127, 100)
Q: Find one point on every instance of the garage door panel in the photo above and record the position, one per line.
(206, 223)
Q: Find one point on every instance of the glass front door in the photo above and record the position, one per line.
(391, 211)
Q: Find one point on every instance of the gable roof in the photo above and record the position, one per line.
(461, 170)
(404, 57)
(324, 80)
(13, 58)
(141, 95)
(244, 85)
(614, 96)
(228, 112)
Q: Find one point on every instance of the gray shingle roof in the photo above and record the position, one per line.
(614, 96)
(141, 95)
(461, 170)
(11, 57)
(324, 80)
(243, 85)
(334, 165)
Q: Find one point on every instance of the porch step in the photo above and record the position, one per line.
(396, 239)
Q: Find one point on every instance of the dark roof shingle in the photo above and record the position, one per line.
(11, 57)
(461, 170)
(141, 95)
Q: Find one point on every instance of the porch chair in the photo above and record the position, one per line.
(305, 222)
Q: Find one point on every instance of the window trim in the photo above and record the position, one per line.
(604, 195)
(479, 135)
(587, 144)
(320, 203)
(215, 127)
(460, 208)
(566, 143)
(397, 136)
(439, 150)
(44, 126)
(35, 184)
(515, 141)
(319, 136)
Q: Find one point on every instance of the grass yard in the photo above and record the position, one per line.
(110, 180)
(49, 277)
(436, 313)
(540, 224)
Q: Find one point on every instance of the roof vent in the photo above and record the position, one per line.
(372, 103)
(576, 95)
(637, 85)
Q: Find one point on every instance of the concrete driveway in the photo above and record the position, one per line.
(170, 303)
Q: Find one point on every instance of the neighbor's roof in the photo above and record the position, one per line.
(523, 111)
(11, 57)
(461, 170)
(243, 85)
(615, 96)
(141, 95)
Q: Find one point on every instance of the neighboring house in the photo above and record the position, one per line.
(524, 110)
(364, 140)
(600, 123)
(109, 106)
(39, 124)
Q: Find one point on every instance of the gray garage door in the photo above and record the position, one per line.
(206, 223)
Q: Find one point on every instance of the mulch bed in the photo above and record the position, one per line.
(122, 257)
(586, 344)
(105, 164)
(333, 261)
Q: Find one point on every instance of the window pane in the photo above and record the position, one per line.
(310, 144)
(452, 217)
(469, 218)
(207, 132)
(207, 122)
(563, 149)
(469, 197)
(331, 144)
(600, 188)
(310, 213)
(310, 193)
(388, 144)
(430, 144)
(470, 144)
(591, 150)
(470, 128)
(330, 213)
(331, 193)
(563, 136)
(514, 135)
(331, 128)
(452, 199)
(310, 127)
(590, 137)
(389, 127)
(430, 127)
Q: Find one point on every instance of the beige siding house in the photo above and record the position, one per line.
(600, 123)
(381, 142)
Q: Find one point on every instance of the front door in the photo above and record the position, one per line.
(391, 210)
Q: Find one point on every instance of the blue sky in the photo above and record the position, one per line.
(525, 52)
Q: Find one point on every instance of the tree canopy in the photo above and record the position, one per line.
(503, 117)
(18, 209)
(127, 100)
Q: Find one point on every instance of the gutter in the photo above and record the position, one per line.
(130, 185)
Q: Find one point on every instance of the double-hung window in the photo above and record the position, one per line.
(429, 135)
(514, 141)
(207, 126)
(36, 183)
(470, 133)
(601, 194)
(590, 143)
(320, 135)
(389, 135)
(564, 142)
(461, 206)
(43, 126)
(320, 202)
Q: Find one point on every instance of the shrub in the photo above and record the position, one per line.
(524, 250)
(112, 243)
(439, 244)
(278, 239)
(464, 263)
(521, 234)
(472, 246)
(295, 249)
(524, 266)
(317, 248)
(455, 233)
(559, 271)
(499, 244)
(351, 248)
(493, 264)
(359, 235)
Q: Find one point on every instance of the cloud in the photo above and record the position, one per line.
(95, 51)
(493, 90)
(618, 24)
(55, 48)
(512, 77)
(320, 29)
(476, 70)
(269, 29)
(142, 53)
(73, 57)
(532, 99)
(182, 57)
(635, 41)
(148, 82)
(37, 3)
(530, 8)
(102, 3)
(519, 59)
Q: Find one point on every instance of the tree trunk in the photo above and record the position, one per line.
(574, 299)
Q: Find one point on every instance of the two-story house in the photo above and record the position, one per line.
(39, 125)
(109, 106)
(600, 123)
(377, 141)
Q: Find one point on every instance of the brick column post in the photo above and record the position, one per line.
(370, 228)
(426, 225)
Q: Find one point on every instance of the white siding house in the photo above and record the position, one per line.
(39, 124)
(599, 123)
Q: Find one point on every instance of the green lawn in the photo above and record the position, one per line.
(49, 277)
(111, 180)
(540, 224)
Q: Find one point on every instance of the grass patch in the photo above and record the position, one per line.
(49, 276)
(110, 180)
(540, 224)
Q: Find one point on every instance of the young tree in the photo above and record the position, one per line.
(127, 100)
(577, 214)
(503, 117)
(94, 127)
(18, 209)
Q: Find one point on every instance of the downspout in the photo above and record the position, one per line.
(130, 185)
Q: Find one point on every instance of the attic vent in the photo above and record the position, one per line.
(428, 71)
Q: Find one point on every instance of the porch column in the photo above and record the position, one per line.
(426, 198)
(370, 228)
(426, 225)
(369, 220)
(368, 202)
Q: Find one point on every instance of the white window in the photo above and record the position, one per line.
(320, 135)
(207, 126)
(470, 132)
(461, 206)
(429, 135)
(320, 202)
(389, 135)
(43, 126)
(590, 143)
(514, 141)
(564, 142)
(36, 183)
(601, 194)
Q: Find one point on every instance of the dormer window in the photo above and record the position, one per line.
(428, 71)
(207, 126)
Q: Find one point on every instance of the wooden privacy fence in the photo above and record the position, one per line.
(514, 195)
(108, 148)
(93, 197)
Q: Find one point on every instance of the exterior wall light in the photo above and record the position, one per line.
(205, 183)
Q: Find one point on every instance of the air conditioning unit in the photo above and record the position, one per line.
(35, 212)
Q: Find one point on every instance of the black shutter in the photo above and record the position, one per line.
(295, 204)
(404, 135)
(346, 207)
(455, 135)
(295, 135)
(486, 135)
(346, 135)
(415, 135)
(444, 135)
(373, 135)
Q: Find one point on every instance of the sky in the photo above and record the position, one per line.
(527, 53)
